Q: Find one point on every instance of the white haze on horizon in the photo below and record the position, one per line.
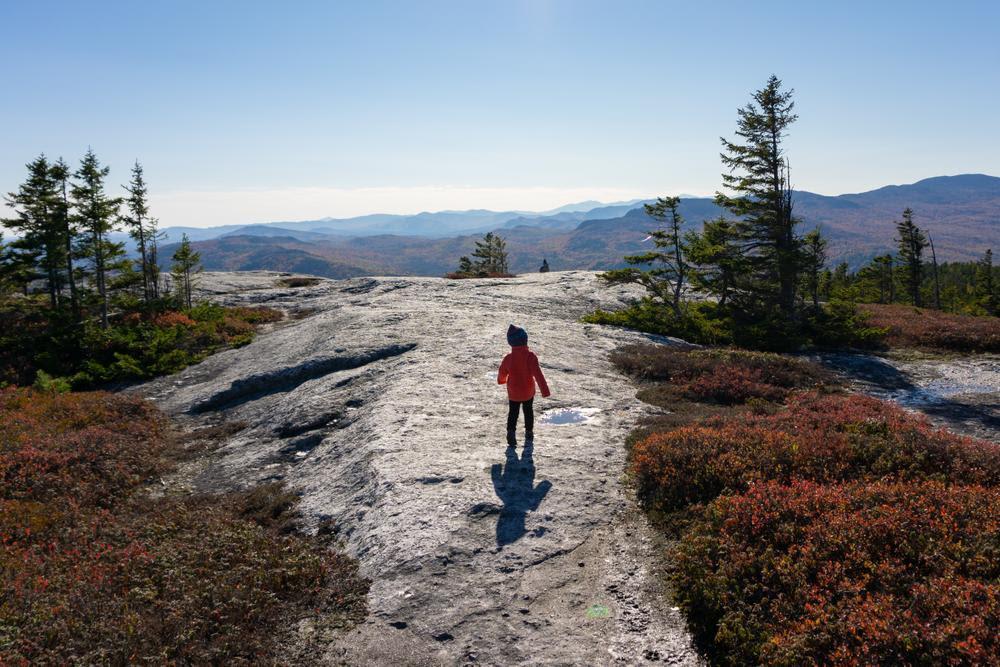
(211, 208)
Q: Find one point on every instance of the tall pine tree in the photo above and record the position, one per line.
(491, 254)
(96, 214)
(717, 256)
(814, 261)
(758, 175)
(7, 281)
(986, 294)
(937, 275)
(143, 231)
(60, 172)
(36, 205)
(911, 241)
(187, 264)
(668, 267)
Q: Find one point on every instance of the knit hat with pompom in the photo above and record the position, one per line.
(516, 336)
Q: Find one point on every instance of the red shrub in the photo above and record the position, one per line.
(93, 573)
(933, 329)
(876, 573)
(86, 448)
(180, 581)
(825, 438)
(732, 385)
(728, 377)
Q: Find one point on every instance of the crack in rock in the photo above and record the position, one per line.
(292, 429)
(286, 379)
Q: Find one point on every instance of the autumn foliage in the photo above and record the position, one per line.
(846, 574)
(830, 529)
(725, 376)
(94, 571)
(820, 437)
(926, 328)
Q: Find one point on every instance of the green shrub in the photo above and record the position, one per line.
(841, 324)
(45, 382)
(706, 323)
(137, 345)
(701, 323)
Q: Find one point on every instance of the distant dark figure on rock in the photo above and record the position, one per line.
(519, 370)
(545, 266)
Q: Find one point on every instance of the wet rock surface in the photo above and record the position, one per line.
(960, 393)
(377, 400)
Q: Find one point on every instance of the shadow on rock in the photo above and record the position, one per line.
(979, 420)
(514, 482)
(869, 370)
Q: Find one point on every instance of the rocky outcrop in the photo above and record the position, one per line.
(957, 392)
(377, 400)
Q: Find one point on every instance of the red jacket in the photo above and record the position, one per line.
(519, 370)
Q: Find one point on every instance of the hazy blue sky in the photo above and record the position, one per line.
(244, 111)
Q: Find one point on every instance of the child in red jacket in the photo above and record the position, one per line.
(519, 370)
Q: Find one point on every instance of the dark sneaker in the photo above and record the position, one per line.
(511, 439)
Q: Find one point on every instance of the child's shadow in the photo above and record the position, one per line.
(514, 482)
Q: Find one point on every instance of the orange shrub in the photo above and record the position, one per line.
(172, 318)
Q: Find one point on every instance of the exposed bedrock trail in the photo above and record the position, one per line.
(381, 406)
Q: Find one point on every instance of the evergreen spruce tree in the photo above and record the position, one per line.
(36, 205)
(937, 277)
(668, 267)
(986, 294)
(187, 264)
(758, 174)
(886, 279)
(826, 285)
(141, 228)
(465, 266)
(17, 266)
(911, 241)
(840, 282)
(7, 280)
(717, 257)
(814, 260)
(491, 255)
(60, 173)
(96, 214)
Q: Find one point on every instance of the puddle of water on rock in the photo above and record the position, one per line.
(565, 416)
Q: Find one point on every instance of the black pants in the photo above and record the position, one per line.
(529, 415)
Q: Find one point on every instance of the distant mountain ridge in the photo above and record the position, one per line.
(962, 214)
(429, 224)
